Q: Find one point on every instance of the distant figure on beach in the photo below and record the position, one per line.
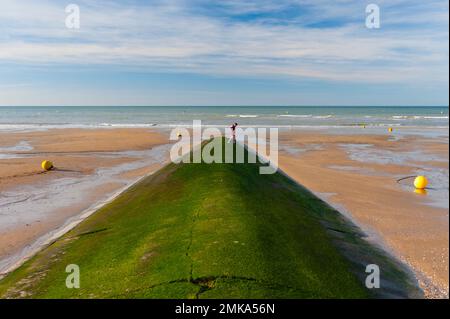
(233, 132)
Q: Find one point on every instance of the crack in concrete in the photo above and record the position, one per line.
(207, 283)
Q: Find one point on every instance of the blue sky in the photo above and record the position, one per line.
(198, 52)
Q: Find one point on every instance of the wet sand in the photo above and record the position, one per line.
(354, 174)
(90, 166)
(73, 151)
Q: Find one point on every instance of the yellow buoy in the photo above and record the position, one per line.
(47, 165)
(420, 182)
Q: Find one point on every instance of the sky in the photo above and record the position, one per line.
(224, 52)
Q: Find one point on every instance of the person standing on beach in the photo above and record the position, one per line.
(233, 132)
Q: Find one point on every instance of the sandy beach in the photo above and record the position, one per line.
(356, 173)
(90, 166)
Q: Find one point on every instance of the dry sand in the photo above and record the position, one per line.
(395, 216)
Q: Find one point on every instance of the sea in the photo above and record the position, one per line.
(43, 117)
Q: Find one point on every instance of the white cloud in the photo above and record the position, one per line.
(181, 36)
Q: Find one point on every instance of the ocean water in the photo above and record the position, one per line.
(36, 117)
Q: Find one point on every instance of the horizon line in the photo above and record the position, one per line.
(249, 105)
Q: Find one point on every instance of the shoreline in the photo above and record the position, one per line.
(368, 129)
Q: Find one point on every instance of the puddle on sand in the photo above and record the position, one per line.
(22, 146)
(437, 194)
(10, 152)
(437, 191)
(296, 150)
(367, 153)
(359, 170)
